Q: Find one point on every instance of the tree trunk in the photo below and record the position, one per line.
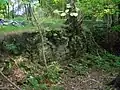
(13, 11)
(74, 32)
(119, 14)
(29, 12)
(8, 10)
(39, 1)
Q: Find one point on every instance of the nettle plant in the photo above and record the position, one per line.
(67, 11)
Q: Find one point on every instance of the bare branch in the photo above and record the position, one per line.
(10, 81)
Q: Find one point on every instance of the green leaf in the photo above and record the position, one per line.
(32, 80)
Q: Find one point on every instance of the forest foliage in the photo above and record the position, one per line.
(50, 35)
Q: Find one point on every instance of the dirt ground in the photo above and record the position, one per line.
(93, 80)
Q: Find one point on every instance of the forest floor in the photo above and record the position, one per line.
(92, 80)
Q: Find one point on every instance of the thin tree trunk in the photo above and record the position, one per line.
(39, 1)
(13, 11)
(4, 13)
(119, 14)
(8, 10)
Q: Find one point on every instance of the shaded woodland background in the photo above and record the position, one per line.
(59, 44)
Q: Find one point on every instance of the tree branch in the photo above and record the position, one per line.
(9, 81)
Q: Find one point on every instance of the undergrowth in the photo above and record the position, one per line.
(46, 80)
(106, 62)
(39, 78)
(35, 76)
